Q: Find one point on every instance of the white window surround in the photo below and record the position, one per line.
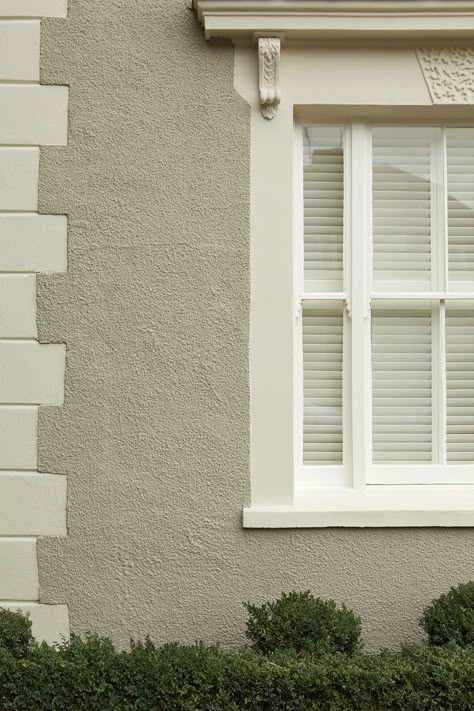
(323, 84)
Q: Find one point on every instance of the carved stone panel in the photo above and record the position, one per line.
(449, 74)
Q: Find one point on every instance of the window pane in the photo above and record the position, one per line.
(460, 158)
(323, 208)
(402, 203)
(460, 382)
(401, 383)
(323, 359)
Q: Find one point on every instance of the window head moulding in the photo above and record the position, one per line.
(267, 22)
(240, 20)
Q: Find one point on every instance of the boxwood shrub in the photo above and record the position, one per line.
(450, 618)
(300, 622)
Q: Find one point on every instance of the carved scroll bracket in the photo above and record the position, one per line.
(269, 74)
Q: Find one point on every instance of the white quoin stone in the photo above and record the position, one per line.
(18, 569)
(33, 8)
(31, 373)
(33, 115)
(18, 437)
(33, 243)
(19, 50)
(19, 173)
(32, 504)
(18, 306)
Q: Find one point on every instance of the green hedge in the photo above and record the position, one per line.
(90, 675)
(288, 668)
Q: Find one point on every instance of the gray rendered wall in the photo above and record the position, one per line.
(154, 433)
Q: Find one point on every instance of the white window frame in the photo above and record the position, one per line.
(358, 470)
(319, 72)
(357, 496)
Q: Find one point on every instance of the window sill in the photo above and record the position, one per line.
(394, 507)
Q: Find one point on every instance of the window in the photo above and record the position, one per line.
(384, 365)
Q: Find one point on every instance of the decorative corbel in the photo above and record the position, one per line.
(269, 75)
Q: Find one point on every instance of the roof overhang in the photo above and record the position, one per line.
(245, 20)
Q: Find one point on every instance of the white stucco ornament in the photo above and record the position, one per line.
(449, 74)
(269, 75)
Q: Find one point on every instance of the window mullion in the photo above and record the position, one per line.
(359, 225)
(439, 256)
(444, 285)
(298, 288)
(439, 285)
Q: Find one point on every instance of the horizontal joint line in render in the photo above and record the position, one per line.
(22, 212)
(27, 404)
(18, 539)
(22, 18)
(21, 82)
(19, 405)
(27, 472)
(15, 339)
(13, 212)
(14, 601)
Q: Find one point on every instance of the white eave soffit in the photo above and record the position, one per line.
(243, 20)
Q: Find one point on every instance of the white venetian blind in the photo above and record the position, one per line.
(460, 384)
(323, 208)
(401, 384)
(460, 162)
(322, 360)
(402, 208)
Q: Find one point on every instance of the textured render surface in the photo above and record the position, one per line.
(154, 432)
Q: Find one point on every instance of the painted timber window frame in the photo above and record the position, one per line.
(357, 493)
(336, 67)
(384, 379)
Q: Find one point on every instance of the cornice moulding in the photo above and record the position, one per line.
(240, 20)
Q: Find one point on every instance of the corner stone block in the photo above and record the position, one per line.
(33, 8)
(19, 175)
(50, 622)
(33, 243)
(18, 569)
(18, 438)
(20, 50)
(32, 504)
(18, 306)
(31, 373)
(33, 115)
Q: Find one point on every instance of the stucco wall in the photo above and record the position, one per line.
(154, 432)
